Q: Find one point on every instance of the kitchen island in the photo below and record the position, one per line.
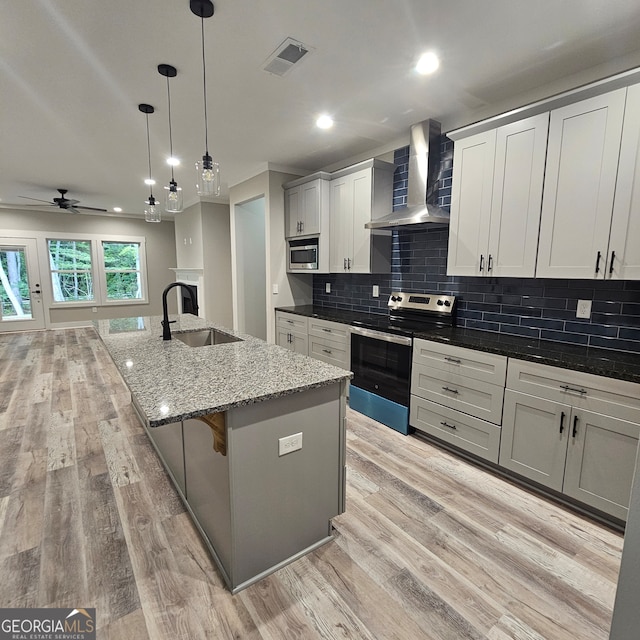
(252, 435)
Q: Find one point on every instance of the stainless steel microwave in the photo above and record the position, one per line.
(303, 254)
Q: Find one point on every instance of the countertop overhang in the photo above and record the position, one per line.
(171, 381)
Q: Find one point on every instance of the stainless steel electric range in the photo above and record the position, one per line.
(381, 354)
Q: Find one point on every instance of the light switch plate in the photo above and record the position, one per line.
(583, 309)
(289, 444)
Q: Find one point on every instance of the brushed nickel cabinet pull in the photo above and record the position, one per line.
(562, 415)
(450, 390)
(454, 360)
(575, 426)
(451, 426)
(481, 262)
(490, 263)
(598, 262)
(327, 330)
(327, 351)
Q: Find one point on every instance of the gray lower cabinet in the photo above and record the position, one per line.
(291, 332)
(585, 455)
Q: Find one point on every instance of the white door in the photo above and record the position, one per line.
(20, 286)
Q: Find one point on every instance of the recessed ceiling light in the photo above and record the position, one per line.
(149, 181)
(324, 122)
(428, 63)
(174, 162)
(117, 209)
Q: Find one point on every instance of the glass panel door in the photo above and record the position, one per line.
(20, 291)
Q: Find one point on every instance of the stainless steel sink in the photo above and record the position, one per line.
(205, 338)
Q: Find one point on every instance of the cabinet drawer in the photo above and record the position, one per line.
(487, 367)
(466, 432)
(616, 398)
(474, 397)
(329, 351)
(291, 321)
(334, 331)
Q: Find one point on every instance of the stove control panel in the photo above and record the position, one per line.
(426, 302)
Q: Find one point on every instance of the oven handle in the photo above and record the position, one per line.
(379, 335)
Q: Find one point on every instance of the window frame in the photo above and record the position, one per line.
(142, 260)
(98, 270)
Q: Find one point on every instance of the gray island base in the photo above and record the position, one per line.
(261, 476)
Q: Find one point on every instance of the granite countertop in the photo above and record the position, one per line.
(604, 362)
(171, 381)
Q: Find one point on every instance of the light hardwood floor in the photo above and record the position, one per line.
(430, 547)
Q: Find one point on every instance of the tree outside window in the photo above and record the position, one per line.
(14, 286)
(71, 270)
(122, 270)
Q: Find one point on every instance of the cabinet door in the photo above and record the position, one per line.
(360, 254)
(534, 438)
(624, 248)
(310, 214)
(341, 224)
(473, 160)
(582, 161)
(521, 150)
(600, 461)
(292, 211)
(293, 341)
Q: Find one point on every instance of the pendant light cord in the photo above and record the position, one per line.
(204, 88)
(170, 137)
(149, 155)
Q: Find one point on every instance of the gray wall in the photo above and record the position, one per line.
(160, 250)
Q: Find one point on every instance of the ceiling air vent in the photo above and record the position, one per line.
(289, 53)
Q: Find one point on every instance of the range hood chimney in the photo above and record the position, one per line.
(422, 185)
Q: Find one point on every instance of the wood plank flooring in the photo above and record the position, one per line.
(430, 547)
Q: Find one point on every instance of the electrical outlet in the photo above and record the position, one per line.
(289, 444)
(584, 309)
(327, 287)
(94, 309)
(376, 291)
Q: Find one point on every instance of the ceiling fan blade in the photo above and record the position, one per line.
(37, 199)
(90, 208)
(71, 209)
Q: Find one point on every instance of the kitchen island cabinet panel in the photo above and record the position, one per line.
(168, 442)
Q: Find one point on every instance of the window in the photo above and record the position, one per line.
(104, 271)
(122, 271)
(71, 274)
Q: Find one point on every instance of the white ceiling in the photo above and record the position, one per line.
(72, 73)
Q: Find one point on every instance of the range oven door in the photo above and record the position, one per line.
(381, 365)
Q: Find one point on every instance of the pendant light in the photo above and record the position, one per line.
(208, 171)
(172, 193)
(152, 211)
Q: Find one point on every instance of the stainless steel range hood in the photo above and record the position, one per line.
(422, 184)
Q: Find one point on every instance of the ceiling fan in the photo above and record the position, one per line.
(63, 203)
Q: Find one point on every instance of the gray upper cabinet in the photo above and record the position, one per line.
(580, 183)
(624, 247)
(307, 205)
(359, 194)
(496, 197)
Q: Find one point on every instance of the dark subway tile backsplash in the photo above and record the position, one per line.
(531, 307)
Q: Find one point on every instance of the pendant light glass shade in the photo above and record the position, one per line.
(207, 176)
(152, 211)
(173, 198)
(207, 171)
(172, 192)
